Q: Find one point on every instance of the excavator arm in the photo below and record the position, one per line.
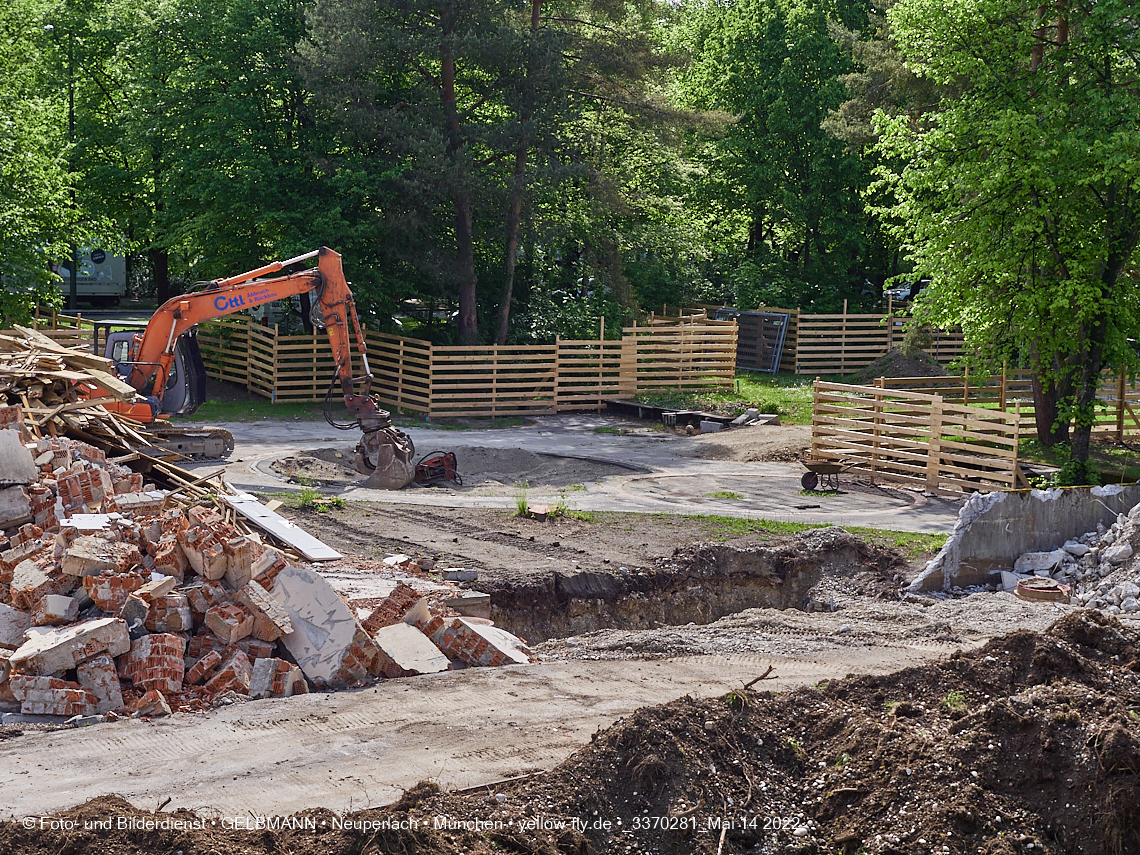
(384, 453)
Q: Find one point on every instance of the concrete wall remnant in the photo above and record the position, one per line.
(995, 529)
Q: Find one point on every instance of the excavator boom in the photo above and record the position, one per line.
(384, 453)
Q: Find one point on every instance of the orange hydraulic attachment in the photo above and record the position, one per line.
(334, 308)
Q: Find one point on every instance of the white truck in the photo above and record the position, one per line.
(101, 279)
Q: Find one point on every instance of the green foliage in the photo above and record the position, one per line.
(522, 505)
(312, 500)
(36, 215)
(955, 701)
(724, 494)
(774, 65)
(1020, 193)
(788, 396)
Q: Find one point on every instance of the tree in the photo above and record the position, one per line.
(36, 214)
(775, 66)
(1020, 197)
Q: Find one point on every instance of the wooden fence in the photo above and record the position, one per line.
(915, 438)
(831, 344)
(1118, 411)
(845, 343)
(488, 380)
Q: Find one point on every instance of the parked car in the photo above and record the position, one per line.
(908, 290)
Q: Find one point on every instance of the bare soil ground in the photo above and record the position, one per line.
(1016, 730)
(1028, 744)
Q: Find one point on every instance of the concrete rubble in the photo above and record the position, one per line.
(113, 602)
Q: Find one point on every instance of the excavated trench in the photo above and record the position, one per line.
(698, 584)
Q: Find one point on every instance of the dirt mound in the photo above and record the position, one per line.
(895, 363)
(479, 466)
(781, 443)
(1029, 744)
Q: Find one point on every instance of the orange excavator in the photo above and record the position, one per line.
(164, 362)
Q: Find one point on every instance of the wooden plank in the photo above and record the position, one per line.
(258, 514)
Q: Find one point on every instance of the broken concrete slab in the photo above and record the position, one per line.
(327, 642)
(1118, 553)
(39, 695)
(458, 574)
(406, 652)
(270, 620)
(17, 466)
(15, 507)
(99, 677)
(55, 610)
(1032, 562)
(59, 650)
(471, 604)
(476, 644)
(13, 624)
(993, 529)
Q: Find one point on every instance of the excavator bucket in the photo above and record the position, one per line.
(385, 454)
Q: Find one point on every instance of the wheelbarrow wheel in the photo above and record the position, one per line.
(809, 481)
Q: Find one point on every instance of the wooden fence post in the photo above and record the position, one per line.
(276, 336)
(876, 431)
(430, 381)
(248, 353)
(934, 449)
(843, 341)
(814, 412)
(1120, 393)
(1002, 394)
(966, 387)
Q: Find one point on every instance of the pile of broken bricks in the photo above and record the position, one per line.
(113, 603)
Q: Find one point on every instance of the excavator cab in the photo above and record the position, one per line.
(184, 390)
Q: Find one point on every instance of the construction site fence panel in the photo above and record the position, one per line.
(913, 438)
(411, 375)
(1118, 398)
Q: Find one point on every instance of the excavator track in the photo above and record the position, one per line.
(202, 443)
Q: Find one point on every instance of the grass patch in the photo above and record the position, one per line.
(788, 395)
(912, 544)
(254, 409)
(724, 494)
(307, 499)
(312, 500)
(586, 516)
(609, 430)
(826, 494)
(522, 505)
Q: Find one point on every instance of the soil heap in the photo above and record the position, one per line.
(1028, 744)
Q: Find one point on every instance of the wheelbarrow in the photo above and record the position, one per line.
(825, 472)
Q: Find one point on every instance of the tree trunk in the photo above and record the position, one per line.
(514, 218)
(1086, 399)
(518, 186)
(1047, 396)
(464, 237)
(160, 270)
